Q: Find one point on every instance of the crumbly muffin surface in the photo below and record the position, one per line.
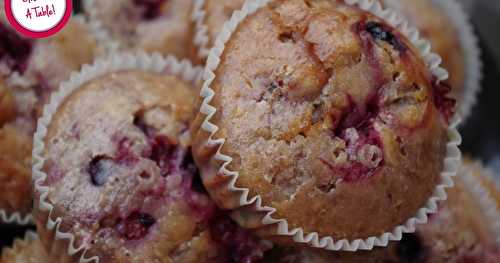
(122, 178)
(326, 111)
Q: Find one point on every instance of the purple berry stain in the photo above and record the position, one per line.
(136, 225)
(14, 50)
(383, 32)
(152, 8)
(443, 103)
(361, 118)
(124, 154)
(163, 152)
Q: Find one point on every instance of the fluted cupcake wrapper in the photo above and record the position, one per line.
(64, 242)
(201, 39)
(263, 213)
(472, 53)
(482, 195)
(103, 39)
(100, 31)
(16, 218)
(106, 46)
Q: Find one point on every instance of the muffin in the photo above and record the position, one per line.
(30, 70)
(153, 26)
(486, 178)
(448, 40)
(321, 108)
(120, 176)
(459, 232)
(15, 171)
(7, 105)
(29, 250)
(210, 16)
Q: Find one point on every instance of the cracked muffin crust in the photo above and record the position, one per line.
(30, 70)
(435, 25)
(459, 232)
(121, 176)
(328, 111)
(162, 26)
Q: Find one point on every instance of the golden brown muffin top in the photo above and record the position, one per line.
(327, 111)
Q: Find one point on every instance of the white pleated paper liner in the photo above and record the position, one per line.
(242, 196)
(201, 38)
(89, 9)
(104, 41)
(16, 218)
(472, 53)
(483, 196)
(115, 62)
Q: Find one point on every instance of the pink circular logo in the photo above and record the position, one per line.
(38, 18)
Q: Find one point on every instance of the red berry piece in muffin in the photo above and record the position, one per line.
(330, 116)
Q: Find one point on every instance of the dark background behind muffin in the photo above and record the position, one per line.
(481, 134)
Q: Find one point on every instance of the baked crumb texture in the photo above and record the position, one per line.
(118, 182)
(328, 115)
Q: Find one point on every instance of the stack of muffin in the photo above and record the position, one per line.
(245, 131)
